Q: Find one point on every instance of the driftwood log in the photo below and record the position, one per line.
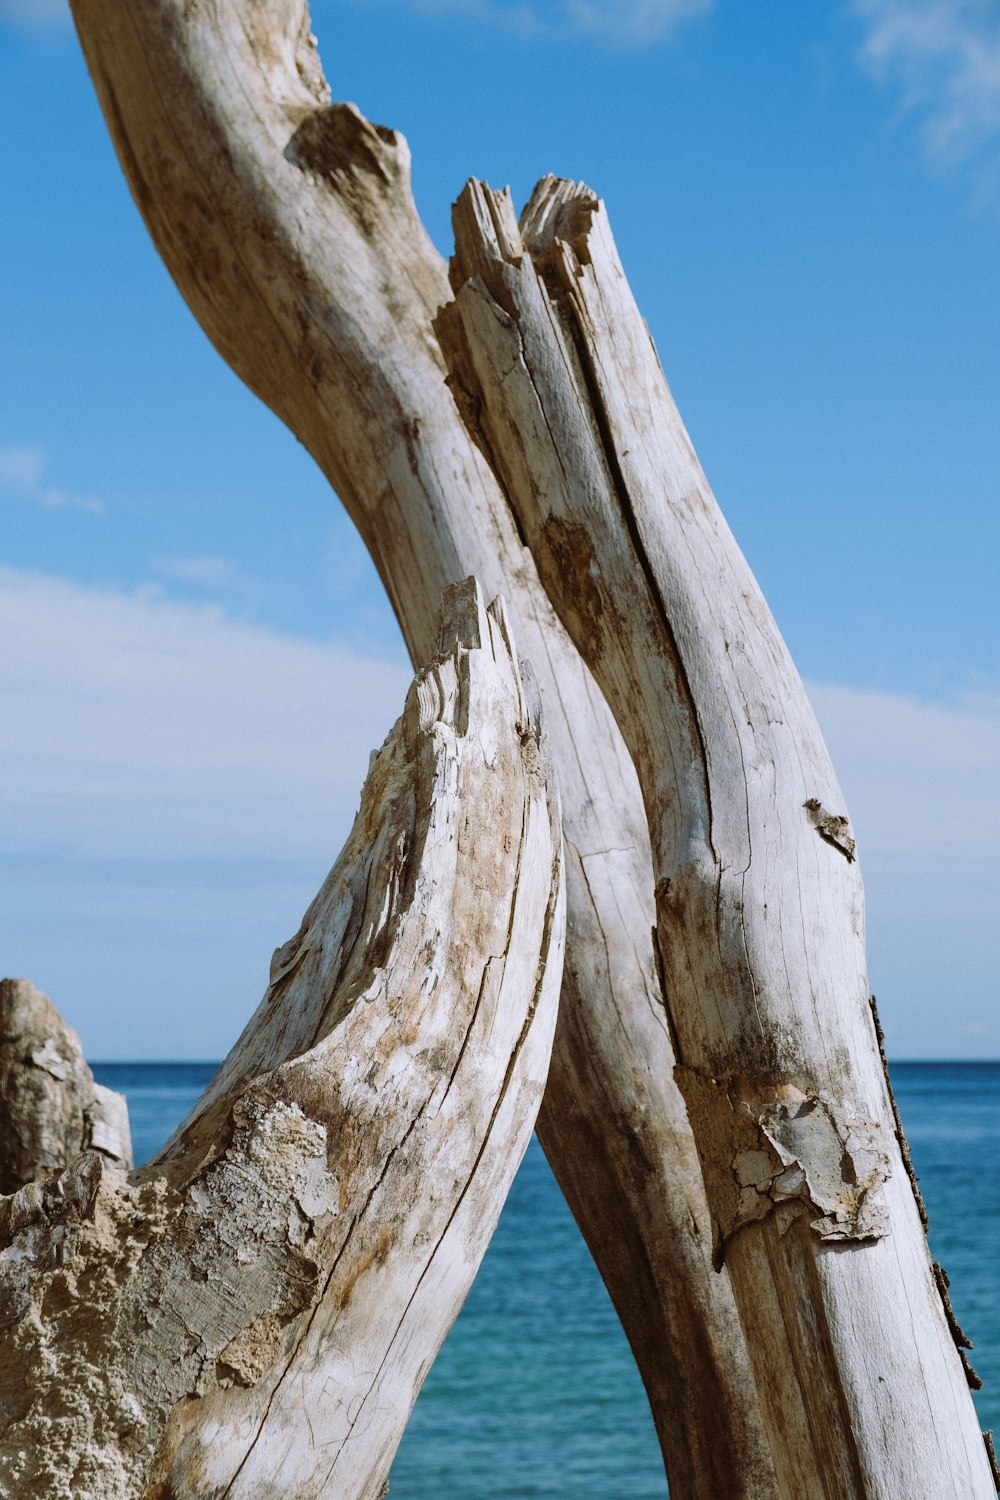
(288, 223)
(252, 1314)
(760, 913)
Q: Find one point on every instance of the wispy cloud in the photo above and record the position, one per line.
(627, 23)
(945, 55)
(920, 778)
(640, 23)
(131, 726)
(175, 785)
(22, 477)
(137, 729)
(203, 572)
(924, 798)
(34, 14)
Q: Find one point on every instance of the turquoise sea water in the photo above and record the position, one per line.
(534, 1392)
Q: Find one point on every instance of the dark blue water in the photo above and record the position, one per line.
(535, 1392)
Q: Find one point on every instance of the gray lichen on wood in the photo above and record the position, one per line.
(253, 1313)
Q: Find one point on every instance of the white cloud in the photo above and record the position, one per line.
(921, 786)
(629, 23)
(632, 23)
(920, 778)
(35, 14)
(134, 726)
(946, 56)
(137, 729)
(22, 473)
(518, 16)
(21, 468)
(134, 695)
(204, 572)
(635, 22)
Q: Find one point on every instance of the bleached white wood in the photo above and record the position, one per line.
(289, 226)
(759, 900)
(253, 1313)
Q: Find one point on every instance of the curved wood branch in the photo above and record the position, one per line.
(252, 1314)
(288, 224)
(759, 900)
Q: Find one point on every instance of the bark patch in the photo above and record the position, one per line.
(901, 1141)
(778, 1150)
(338, 142)
(833, 828)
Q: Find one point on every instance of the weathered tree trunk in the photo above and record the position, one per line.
(50, 1107)
(289, 226)
(759, 901)
(253, 1314)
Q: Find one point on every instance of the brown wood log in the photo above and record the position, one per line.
(252, 1314)
(289, 226)
(760, 913)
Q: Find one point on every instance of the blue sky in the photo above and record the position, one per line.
(197, 654)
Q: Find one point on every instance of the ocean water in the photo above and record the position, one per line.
(535, 1393)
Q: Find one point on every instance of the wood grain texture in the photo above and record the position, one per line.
(288, 224)
(252, 1314)
(759, 902)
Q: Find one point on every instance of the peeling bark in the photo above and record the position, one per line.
(835, 828)
(759, 904)
(777, 1151)
(288, 223)
(991, 1454)
(252, 1314)
(901, 1141)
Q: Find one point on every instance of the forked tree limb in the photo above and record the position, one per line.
(760, 910)
(289, 226)
(252, 1314)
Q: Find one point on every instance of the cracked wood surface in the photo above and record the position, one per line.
(251, 1315)
(288, 224)
(759, 902)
